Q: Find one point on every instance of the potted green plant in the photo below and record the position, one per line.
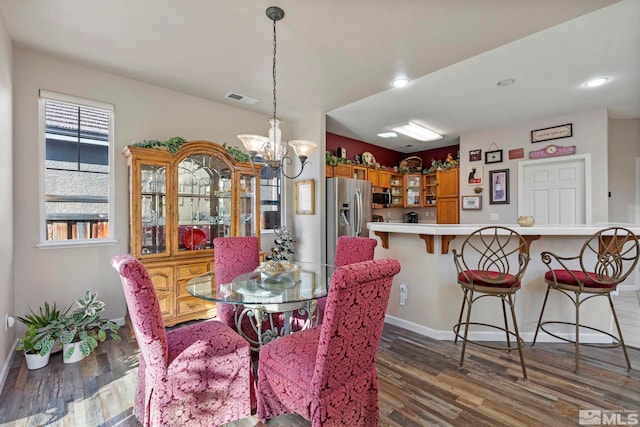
(35, 355)
(36, 349)
(81, 329)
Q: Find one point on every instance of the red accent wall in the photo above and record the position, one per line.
(384, 156)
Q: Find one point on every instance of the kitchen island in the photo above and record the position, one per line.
(434, 296)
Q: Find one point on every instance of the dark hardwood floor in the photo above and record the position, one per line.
(420, 385)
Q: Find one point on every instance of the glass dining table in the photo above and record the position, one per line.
(261, 294)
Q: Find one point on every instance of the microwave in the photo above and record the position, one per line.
(382, 198)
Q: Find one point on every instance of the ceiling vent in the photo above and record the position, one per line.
(241, 98)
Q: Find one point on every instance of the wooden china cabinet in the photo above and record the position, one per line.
(178, 204)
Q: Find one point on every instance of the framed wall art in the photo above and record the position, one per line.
(499, 187)
(475, 155)
(555, 132)
(494, 156)
(305, 197)
(472, 203)
(474, 175)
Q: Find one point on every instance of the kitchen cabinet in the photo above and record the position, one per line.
(448, 196)
(429, 191)
(178, 204)
(397, 190)
(373, 176)
(342, 170)
(413, 190)
(359, 172)
(384, 179)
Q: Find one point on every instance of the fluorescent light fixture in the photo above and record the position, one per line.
(387, 135)
(416, 131)
(596, 82)
(401, 82)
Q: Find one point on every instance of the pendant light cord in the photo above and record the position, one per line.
(275, 44)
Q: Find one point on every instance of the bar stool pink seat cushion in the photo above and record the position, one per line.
(573, 278)
(328, 373)
(488, 278)
(195, 375)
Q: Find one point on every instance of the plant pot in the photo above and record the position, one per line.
(35, 361)
(76, 356)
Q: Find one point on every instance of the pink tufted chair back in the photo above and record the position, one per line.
(145, 314)
(351, 249)
(234, 256)
(352, 325)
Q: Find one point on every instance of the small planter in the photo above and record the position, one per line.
(35, 361)
(76, 356)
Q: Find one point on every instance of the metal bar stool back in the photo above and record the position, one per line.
(605, 260)
(491, 263)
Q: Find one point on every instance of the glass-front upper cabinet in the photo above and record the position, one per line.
(153, 208)
(413, 188)
(204, 201)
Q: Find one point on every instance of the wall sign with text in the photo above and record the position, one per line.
(552, 151)
(556, 132)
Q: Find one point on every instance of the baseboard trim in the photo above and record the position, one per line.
(7, 364)
(587, 338)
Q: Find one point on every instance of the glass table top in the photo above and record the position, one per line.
(301, 282)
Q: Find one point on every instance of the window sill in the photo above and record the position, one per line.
(76, 243)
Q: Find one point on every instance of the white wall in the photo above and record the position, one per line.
(309, 230)
(589, 136)
(6, 200)
(624, 149)
(142, 111)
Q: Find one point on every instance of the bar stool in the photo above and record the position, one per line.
(491, 263)
(605, 261)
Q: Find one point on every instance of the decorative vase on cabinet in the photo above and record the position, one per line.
(179, 203)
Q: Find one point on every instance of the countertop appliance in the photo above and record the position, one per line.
(382, 198)
(348, 211)
(411, 217)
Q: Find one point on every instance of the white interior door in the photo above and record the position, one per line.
(556, 190)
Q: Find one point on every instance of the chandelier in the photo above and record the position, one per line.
(274, 151)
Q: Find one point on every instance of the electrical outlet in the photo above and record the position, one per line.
(495, 217)
(403, 294)
(9, 321)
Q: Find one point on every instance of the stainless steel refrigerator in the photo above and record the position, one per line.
(348, 211)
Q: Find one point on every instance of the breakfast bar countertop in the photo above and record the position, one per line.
(466, 229)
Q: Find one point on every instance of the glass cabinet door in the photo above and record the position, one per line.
(413, 189)
(204, 201)
(247, 205)
(153, 209)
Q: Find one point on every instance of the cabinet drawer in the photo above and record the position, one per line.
(192, 270)
(193, 304)
(162, 278)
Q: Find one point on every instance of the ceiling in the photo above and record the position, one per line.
(339, 57)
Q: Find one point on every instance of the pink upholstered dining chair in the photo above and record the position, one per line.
(234, 256)
(352, 249)
(328, 373)
(349, 250)
(195, 375)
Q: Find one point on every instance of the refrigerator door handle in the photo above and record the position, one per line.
(358, 212)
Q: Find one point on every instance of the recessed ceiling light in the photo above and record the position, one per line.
(596, 82)
(416, 131)
(387, 135)
(506, 82)
(401, 82)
